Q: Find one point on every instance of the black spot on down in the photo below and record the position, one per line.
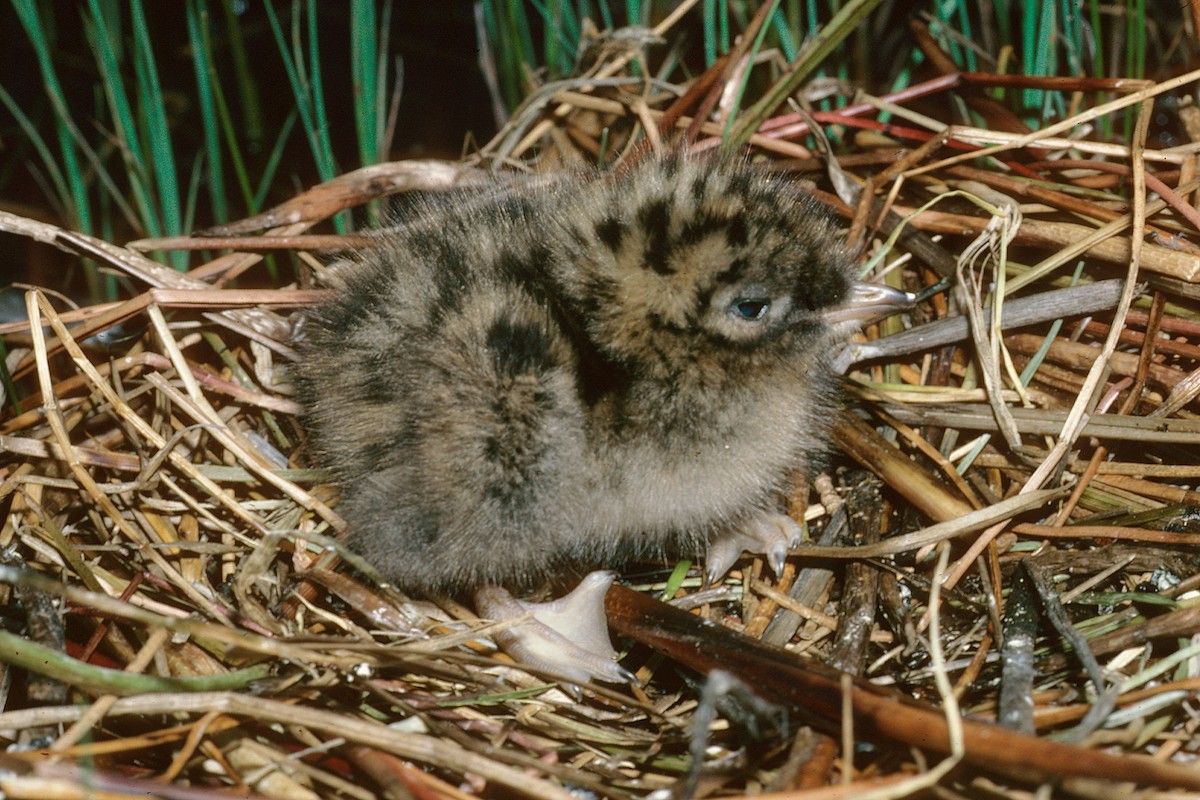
(655, 217)
(517, 347)
(610, 232)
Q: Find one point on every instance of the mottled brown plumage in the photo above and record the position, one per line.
(568, 376)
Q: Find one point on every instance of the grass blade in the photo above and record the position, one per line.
(157, 131)
(198, 40)
(364, 63)
(76, 201)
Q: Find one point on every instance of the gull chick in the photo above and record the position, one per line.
(528, 382)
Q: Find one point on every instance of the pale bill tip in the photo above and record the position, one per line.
(870, 301)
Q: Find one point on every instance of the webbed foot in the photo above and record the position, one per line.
(567, 636)
(769, 535)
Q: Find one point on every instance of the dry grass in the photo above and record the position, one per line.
(208, 641)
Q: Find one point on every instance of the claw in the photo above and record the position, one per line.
(567, 636)
(769, 535)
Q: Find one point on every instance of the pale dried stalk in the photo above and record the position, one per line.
(1036, 137)
(1081, 411)
(33, 300)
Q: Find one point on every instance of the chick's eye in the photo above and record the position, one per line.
(750, 308)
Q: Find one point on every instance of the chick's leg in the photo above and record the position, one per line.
(768, 535)
(567, 636)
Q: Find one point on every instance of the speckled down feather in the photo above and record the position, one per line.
(569, 375)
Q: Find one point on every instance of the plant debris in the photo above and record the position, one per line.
(175, 567)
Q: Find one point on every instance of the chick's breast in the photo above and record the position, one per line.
(703, 288)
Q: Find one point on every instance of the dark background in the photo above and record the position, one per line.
(444, 96)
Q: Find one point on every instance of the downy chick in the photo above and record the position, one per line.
(546, 379)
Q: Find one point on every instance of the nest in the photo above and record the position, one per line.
(1015, 487)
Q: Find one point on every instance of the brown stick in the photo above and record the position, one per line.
(815, 690)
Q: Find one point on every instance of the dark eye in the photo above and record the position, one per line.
(750, 308)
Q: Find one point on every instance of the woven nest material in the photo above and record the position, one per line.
(1018, 473)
